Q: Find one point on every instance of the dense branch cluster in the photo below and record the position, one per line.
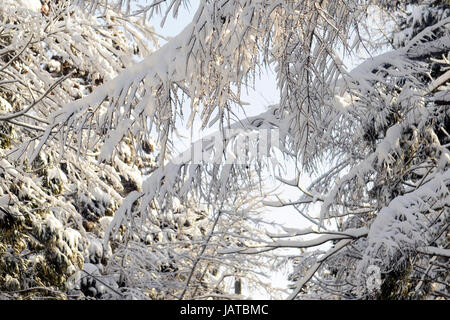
(57, 205)
(94, 202)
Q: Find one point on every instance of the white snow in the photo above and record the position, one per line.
(95, 250)
(435, 251)
(34, 5)
(5, 106)
(56, 173)
(341, 103)
(4, 200)
(72, 237)
(104, 222)
(54, 225)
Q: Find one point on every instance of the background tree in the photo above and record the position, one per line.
(388, 193)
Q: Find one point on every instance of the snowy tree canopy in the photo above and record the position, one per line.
(95, 202)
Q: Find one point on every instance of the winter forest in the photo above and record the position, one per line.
(99, 199)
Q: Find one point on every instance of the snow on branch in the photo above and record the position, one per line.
(404, 225)
(188, 172)
(301, 283)
(433, 251)
(221, 49)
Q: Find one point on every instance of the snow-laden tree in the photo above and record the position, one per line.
(380, 131)
(54, 210)
(56, 205)
(387, 191)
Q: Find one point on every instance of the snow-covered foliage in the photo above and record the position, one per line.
(59, 207)
(392, 142)
(91, 205)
